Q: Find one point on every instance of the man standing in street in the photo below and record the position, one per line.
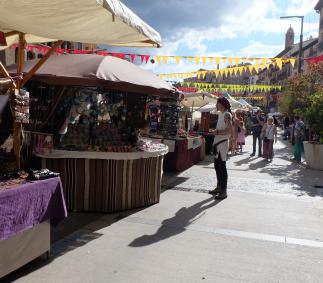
(257, 123)
(299, 134)
(286, 128)
(221, 147)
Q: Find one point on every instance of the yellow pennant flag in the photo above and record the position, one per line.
(292, 61)
(165, 59)
(158, 59)
(264, 62)
(257, 68)
(204, 74)
(197, 60)
(237, 61)
(217, 60)
(204, 60)
(178, 59)
(250, 68)
(279, 63)
(190, 59)
(224, 59)
(230, 61)
(231, 71)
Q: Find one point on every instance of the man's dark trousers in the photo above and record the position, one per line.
(256, 136)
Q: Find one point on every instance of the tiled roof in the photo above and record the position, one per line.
(293, 50)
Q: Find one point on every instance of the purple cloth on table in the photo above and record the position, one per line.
(23, 207)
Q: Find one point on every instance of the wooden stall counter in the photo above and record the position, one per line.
(108, 181)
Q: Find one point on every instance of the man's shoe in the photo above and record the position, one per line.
(221, 196)
(215, 191)
(252, 154)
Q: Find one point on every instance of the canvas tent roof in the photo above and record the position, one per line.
(208, 108)
(95, 70)
(234, 103)
(90, 21)
(197, 99)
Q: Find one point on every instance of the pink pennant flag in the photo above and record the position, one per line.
(133, 57)
(121, 55)
(144, 58)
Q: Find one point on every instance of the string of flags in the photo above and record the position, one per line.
(60, 51)
(160, 59)
(232, 87)
(239, 70)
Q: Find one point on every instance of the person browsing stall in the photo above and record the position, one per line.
(221, 146)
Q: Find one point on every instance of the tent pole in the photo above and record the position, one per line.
(17, 126)
(40, 63)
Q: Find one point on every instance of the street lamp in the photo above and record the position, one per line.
(299, 63)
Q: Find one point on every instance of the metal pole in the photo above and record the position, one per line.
(300, 47)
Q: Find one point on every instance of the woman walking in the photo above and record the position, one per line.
(269, 134)
(221, 146)
(241, 136)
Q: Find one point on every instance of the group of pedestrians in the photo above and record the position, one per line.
(265, 134)
(230, 134)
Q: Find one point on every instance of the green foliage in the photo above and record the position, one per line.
(304, 97)
(314, 114)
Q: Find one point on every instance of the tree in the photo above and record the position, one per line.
(297, 96)
(304, 97)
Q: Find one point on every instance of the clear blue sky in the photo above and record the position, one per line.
(220, 28)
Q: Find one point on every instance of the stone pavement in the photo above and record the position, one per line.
(269, 229)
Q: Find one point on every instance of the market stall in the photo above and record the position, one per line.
(88, 111)
(170, 127)
(27, 210)
(27, 207)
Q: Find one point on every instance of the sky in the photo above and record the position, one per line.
(244, 28)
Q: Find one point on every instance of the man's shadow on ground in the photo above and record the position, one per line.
(176, 224)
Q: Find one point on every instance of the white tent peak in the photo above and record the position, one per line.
(89, 21)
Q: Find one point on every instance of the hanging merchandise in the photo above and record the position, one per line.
(154, 110)
(100, 120)
(21, 106)
(168, 124)
(39, 142)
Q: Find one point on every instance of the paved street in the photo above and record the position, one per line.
(270, 229)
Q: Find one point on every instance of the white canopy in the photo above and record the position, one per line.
(89, 21)
(211, 107)
(245, 104)
(234, 103)
(197, 99)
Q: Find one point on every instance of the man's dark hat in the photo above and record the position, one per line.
(225, 102)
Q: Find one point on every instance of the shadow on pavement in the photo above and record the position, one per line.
(177, 224)
(75, 231)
